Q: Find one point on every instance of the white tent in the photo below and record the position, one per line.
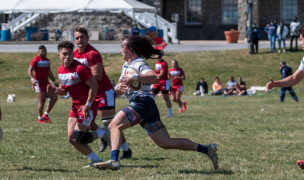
(57, 6)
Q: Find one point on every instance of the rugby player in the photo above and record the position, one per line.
(105, 97)
(177, 89)
(41, 66)
(142, 108)
(161, 69)
(82, 86)
(291, 80)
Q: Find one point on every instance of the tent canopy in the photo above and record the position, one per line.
(58, 6)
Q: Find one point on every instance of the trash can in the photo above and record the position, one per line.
(5, 35)
(29, 31)
(45, 36)
(142, 32)
(160, 33)
(109, 34)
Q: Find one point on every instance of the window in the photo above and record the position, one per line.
(289, 10)
(193, 12)
(230, 12)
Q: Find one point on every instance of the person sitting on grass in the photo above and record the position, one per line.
(217, 86)
(230, 86)
(240, 87)
(201, 87)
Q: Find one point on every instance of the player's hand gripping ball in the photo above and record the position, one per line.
(135, 85)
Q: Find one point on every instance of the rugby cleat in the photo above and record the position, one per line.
(41, 121)
(126, 154)
(110, 164)
(46, 117)
(180, 111)
(300, 164)
(212, 155)
(184, 105)
(91, 164)
(103, 145)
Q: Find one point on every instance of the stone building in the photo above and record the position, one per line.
(208, 19)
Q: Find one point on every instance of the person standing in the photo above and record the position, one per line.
(142, 108)
(105, 97)
(294, 26)
(82, 85)
(177, 89)
(161, 69)
(271, 30)
(256, 34)
(286, 71)
(41, 66)
(282, 32)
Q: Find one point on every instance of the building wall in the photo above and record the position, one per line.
(211, 28)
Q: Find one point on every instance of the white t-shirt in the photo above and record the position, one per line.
(142, 67)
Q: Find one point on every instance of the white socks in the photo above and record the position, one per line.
(100, 132)
(125, 146)
(169, 111)
(46, 113)
(93, 157)
(39, 117)
(182, 102)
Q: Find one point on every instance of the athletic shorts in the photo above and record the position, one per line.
(164, 87)
(106, 99)
(40, 85)
(177, 88)
(143, 111)
(74, 113)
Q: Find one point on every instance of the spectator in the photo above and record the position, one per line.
(201, 87)
(282, 33)
(240, 87)
(230, 86)
(135, 31)
(256, 34)
(271, 30)
(217, 86)
(286, 71)
(294, 26)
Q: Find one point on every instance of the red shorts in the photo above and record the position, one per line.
(105, 99)
(177, 88)
(40, 85)
(74, 113)
(163, 86)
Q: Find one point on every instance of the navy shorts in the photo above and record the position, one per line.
(143, 111)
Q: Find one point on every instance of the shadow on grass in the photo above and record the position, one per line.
(144, 166)
(224, 172)
(42, 169)
(150, 159)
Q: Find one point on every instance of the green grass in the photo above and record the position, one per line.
(253, 144)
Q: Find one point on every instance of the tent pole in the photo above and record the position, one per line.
(85, 21)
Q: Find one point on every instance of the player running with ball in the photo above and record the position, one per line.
(291, 80)
(142, 108)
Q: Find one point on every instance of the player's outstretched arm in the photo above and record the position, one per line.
(286, 82)
(52, 89)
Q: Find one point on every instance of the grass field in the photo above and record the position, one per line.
(253, 144)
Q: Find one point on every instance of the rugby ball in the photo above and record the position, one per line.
(135, 85)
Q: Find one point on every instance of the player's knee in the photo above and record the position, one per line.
(106, 120)
(82, 137)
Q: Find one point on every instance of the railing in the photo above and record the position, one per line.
(20, 22)
(148, 20)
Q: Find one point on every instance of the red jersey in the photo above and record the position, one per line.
(41, 68)
(162, 65)
(176, 72)
(90, 57)
(73, 79)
